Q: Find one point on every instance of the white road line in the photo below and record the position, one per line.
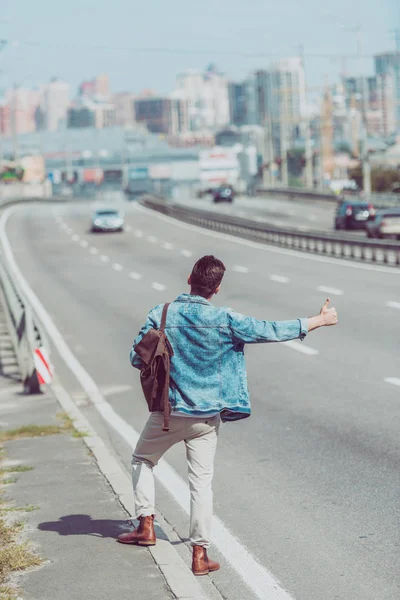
(93, 250)
(279, 278)
(75, 237)
(104, 258)
(138, 233)
(392, 304)
(265, 247)
(152, 239)
(186, 253)
(240, 269)
(300, 347)
(330, 290)
(69, 230)
(117, 267)
(158, 286)
(167, 246)
(393, 380)
(128, 228)
(134, 275)
(84, 244)
(255, 576)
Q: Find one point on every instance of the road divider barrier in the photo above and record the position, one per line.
(27, 336)
(332, 245)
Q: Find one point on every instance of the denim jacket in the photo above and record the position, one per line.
(208, 372)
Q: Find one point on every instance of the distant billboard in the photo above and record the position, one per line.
(138, 173)
(160, 171)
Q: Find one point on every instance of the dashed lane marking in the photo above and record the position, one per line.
(186, 253)
(152, 239)
(300, 347)
(167, 246)
(138, 233)
(93, 250)
(134, 275)
(240, 269)
(158, 286)
(279, 278)
(104, 258)
(392, 304)
(75, 237)
(330, 290)
(117, 267)
(128, 228)
(84, 244)
(393, 380)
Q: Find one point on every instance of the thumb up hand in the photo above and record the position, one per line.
(328, 314)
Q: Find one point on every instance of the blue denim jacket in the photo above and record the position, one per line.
(208, 372)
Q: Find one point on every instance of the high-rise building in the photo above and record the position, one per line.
(388, 63)
(18, 110)
(124, 108)
(56, 102)
(207, 96)
(162, 115)
(97, 88)
(237, 103)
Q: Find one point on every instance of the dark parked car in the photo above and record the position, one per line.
(354, 215)
(385, 224)
(224, 194)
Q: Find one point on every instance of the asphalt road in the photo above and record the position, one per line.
(309, 484)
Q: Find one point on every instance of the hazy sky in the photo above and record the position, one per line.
(76, 39)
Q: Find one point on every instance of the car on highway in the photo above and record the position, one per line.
(107, 219)
(223, 194)
(354, 215)
(385, 225)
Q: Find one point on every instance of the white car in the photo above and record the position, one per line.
(107, 220)
(385, 224)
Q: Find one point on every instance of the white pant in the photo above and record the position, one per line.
(200, 436)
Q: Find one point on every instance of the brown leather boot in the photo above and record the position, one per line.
(201, 564)
(143, 535)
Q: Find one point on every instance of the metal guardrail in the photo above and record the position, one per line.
(25, 332)
(379, 200)
(371, 251)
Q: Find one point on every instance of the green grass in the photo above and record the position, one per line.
(16, 469)
(10, 509)
(8, 480)
(30, 431)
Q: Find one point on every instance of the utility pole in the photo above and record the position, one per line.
(365, 164)
(308, 154)
(283, 136)
(268, 153)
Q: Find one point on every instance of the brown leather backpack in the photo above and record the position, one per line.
(155, 351)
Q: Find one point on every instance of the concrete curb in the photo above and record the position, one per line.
(177, 574)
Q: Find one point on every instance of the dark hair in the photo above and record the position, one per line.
(206, 276)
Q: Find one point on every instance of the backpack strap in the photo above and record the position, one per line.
(166, 402)
(164, 316)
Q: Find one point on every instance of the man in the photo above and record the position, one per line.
(208, 385)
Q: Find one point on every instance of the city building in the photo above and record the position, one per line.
(168, 116)
(97, 88)
(124, 108)
(237, 103)
(388, 63)
(89, 113)
(207, 96)
(55, 103)
(17, 111)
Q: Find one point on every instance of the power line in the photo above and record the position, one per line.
(208, 51)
